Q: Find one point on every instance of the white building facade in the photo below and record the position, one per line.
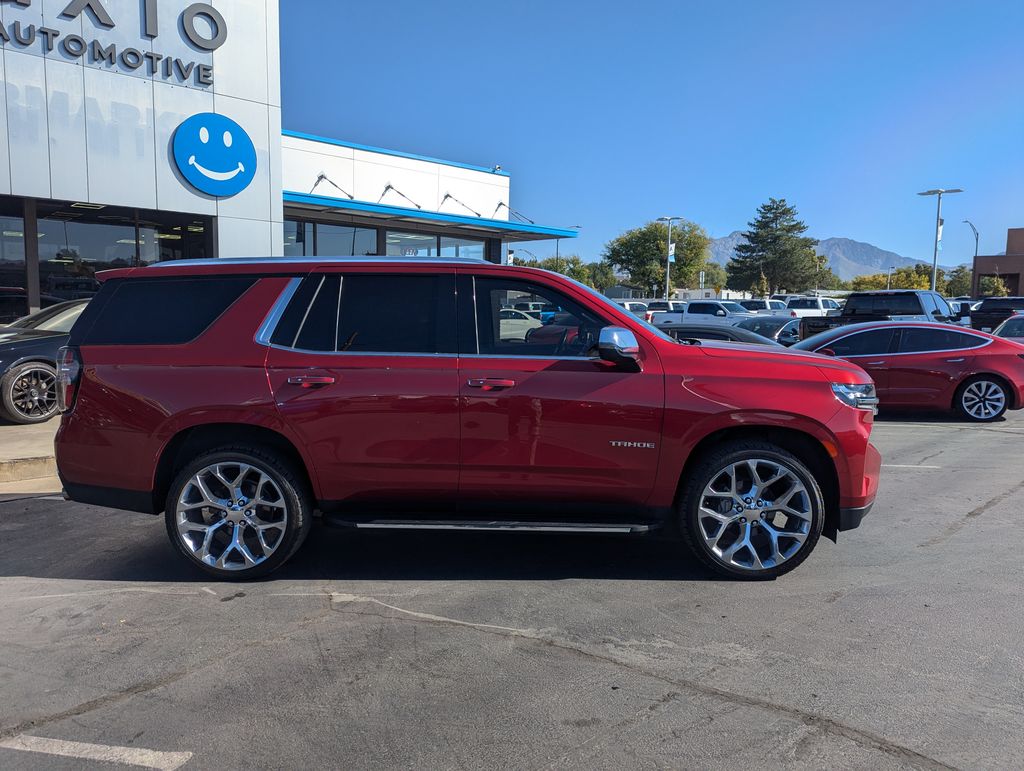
(137, 131)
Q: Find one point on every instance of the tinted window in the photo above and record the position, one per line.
(943, 306)
(162, 311)
(1002, 303)
(883, 305)
(870, 343)
(753, 305)
(928, 301)
(764, 325)
(344, 313)
(921, 339)
(808, 303)
(571, 332)
(705, 309)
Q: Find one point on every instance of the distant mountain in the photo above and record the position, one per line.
(846, 257)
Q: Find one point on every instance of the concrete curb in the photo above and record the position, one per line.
(20, 469)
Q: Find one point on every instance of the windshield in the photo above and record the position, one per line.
(734, 307)
(1012, 327)
(764, 325)
(58, 319)
(1002, 303)
(612, 304)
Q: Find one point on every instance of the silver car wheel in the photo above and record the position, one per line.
(755, 514)
(231, 516)
(983, 400)
(34, 393)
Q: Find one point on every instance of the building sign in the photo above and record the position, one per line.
(214, 154)
(206, 36)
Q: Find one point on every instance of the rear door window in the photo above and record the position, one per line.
(703, 309)
(924, 339)
(343, 313)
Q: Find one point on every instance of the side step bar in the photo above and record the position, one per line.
(497, 525)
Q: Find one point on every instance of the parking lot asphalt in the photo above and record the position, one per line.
(900, 647)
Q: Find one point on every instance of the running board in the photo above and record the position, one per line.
(497, 525)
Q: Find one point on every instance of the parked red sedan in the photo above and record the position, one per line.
(932, 366)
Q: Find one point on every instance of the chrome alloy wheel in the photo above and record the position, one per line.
(755, 514)
(983, 400)
(231, 516)
(34, 393)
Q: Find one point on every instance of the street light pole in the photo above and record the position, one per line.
(938, 225)
(668, 251)
(888, 278)
(975, 240)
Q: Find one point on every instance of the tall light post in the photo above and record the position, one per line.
(975, 240)
(668, 252)
(938, 228)
(888, 278)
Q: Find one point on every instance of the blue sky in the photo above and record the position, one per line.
(610, 114)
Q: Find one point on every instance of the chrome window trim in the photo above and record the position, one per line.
(266, 330)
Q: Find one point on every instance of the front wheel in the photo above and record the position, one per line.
(982, 399)
(751, 510)
(29, 393)
(238, 512)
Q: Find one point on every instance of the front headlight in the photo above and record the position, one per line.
(860, 396)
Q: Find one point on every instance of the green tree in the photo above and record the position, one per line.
(992, 286)
(760, 287)
(602, 276)
(959, 282)
(714, 276)
(776, 246)
(640, 253)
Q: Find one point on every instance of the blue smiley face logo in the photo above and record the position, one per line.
(214, 154)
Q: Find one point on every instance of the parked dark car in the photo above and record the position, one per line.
(994, 311)
(882, 305)
(14, 303)
(781, 329)
(916, 365)
(285, 390)
(724, 332)
(28, 362)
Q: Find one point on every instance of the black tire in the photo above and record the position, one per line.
(294, 496)
(28, 378)
(711, 469)
(977, 407)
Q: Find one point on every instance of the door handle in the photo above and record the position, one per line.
(875, 363)
(310, 381)
(955, 361)
(490, 383)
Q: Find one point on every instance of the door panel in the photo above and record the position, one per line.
(564, 432)
(926, 379)
(386, 428)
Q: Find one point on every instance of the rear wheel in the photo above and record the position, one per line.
(751, 510)
(238, 512)
(29, 393)
(982, 399)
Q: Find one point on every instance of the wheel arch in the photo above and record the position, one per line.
(1015, 398)
(194, 440)
(803, 445)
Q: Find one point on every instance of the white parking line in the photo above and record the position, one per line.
(911, 465)
(129, 756)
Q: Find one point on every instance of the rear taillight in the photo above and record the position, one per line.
(793, 314)
(69, 370)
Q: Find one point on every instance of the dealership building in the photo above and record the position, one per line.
(138, 131)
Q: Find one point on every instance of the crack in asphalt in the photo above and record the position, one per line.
(824, 724)
(961, 523)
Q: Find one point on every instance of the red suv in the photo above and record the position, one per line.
(241, 397)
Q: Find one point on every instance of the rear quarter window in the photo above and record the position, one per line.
(159, 311)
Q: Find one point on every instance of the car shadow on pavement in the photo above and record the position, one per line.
(140, 552)
(929, 416)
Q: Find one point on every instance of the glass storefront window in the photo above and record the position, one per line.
(298, 238)
(344, 241)
(411, 244)
(13, 297)
(462, 247)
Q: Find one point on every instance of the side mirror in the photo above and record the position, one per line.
(719, 313)
(826, 351)
(619, 346)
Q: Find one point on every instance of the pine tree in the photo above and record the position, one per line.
(776, 247)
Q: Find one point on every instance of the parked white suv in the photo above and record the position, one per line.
(727, 311)
(803, 307)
